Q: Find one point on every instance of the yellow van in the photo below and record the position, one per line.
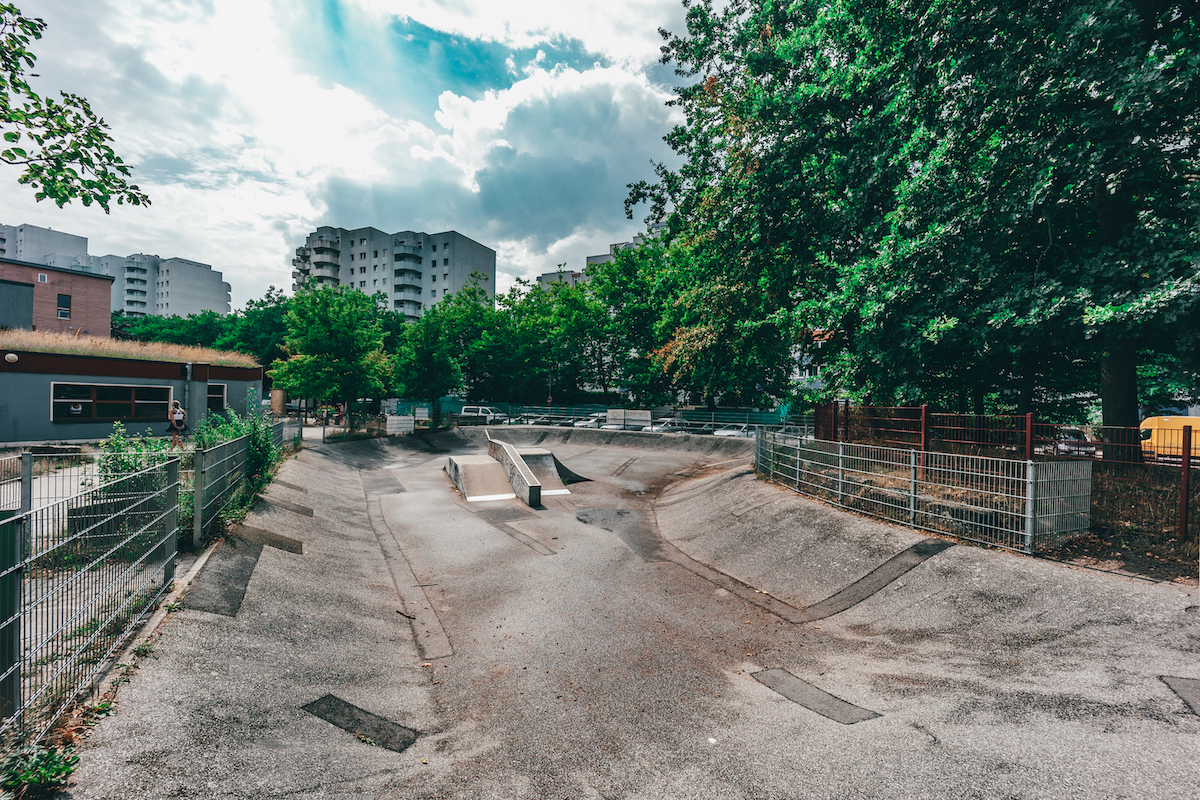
(1162, 438)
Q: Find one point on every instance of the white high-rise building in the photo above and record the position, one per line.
(144, 285)
(416, 270)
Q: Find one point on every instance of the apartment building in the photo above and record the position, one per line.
(414, 269)
(604, 258)
(142, 284)
(569, 277)
(46, 298)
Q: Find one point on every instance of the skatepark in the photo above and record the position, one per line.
(394, 620)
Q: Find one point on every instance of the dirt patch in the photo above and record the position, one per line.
(1142, 555)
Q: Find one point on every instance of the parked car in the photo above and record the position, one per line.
(741, 431)
(1074, 442)
(703, 428)
(668, 425)
(593, 420)
(490, 414)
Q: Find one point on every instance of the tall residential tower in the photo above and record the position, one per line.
(414, 269)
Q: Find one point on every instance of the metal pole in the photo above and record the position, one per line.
(912, 487)
(171, 521)
(834, 423)
(198, 480)
(841, 470)
(1029, 436)
(26, 482)
(10, 613)
(1030, 503)
(1184, 480)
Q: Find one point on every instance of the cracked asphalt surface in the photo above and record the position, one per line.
(606, 646)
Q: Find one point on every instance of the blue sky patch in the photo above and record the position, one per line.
(403, 66)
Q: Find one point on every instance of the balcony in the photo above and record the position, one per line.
(407, 283)
(322, 271)
(325, 258)
(405, 253)
(135, 270)
(135, 281)
(408, 297)
(135, 293)
(322, 243)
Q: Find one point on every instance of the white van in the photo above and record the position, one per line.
(491, 415)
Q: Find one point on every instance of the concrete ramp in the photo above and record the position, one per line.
(479, 478)
(544, 467)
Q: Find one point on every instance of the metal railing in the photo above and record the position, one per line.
(76, 577)
(220, 472)
(1020, 505)
(287, 432)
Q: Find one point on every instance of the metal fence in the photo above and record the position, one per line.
(220, 473)
(1020, 505)
(1140, 483)
(76, 577)
(287, 432)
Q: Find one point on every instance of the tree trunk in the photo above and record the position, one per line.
(1119, 402)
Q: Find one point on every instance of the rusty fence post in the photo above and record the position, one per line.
(833, 406)
(1029, 436)
(1184, 480)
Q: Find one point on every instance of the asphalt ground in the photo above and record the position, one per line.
(639, 638)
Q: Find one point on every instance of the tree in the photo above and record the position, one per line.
(424, 366)
(335, 344)
(259, 329)
(976, 197)
(62, 144)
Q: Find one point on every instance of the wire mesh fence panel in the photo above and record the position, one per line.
(76, 577)
(10, 483)
(286, 432)
(219, 478)
(995, 501)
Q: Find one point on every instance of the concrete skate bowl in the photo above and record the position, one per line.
(714, 447)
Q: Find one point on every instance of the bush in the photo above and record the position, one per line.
(34, 771)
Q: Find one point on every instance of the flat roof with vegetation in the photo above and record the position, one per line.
(68, 344)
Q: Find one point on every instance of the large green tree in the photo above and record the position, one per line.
(425, 365)
(976, 197)
(335, 346)
(61, 144)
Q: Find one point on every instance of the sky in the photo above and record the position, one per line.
(250, 123)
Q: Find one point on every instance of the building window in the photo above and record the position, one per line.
(362, 284)
(362, 270)
(376, 254)
(445, 262)
(352, 256)
(374, 283)
(435, 248)
(362, 256)
(216, 396)
(42, 277)
(362, 241)
(445, 245)
(86, 402)
(64, 306)
(433, 292)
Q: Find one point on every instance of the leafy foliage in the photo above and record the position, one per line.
(335, 341)
(977, 198)
(34, 771)
(62, 144)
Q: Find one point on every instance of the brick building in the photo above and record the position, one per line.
(63, 300)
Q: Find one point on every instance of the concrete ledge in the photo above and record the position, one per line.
(520, 477)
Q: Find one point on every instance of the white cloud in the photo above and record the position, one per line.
(624, 30)
(242, 153)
